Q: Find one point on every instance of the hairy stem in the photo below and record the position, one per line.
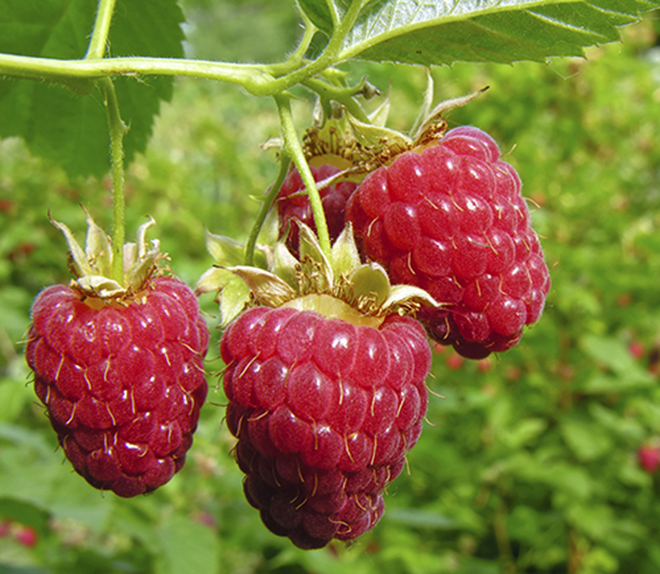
(99, 41)
(117, 131)
(255, 79)
(294, 150)
(265, 208)
(344, 96)
(328, 58)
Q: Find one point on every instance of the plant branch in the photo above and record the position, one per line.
(257, 79)
(344, 96)
(328, 58)
(294, 150)
(117, 131)
(99, 41)
(253, 78)
(268, 201)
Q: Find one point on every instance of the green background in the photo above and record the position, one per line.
(528, 462)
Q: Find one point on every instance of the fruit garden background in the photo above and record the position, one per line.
(529, 462)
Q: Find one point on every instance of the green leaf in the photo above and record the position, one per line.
(13, 398)
(72, 130)
(435, 33)
(421, 519)
(587, 439)
(187, 546)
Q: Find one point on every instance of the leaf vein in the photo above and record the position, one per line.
(563, 24)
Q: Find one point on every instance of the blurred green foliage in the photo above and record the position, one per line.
(528, 463)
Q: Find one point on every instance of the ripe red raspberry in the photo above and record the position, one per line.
(324, 412)
(293, 206)
(450, 219)
(649, 458)
(26, 536)
(122, 385)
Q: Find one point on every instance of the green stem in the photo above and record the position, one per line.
(265, 208)
(257, 79)
(295, 60)
(344, 96)
(254, 78)
(294, 150)
(117, 131)
(328, 58)
(99, 41)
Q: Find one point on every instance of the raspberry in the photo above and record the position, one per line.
(294, 207)
(122, 385)
(27, 536)
(324, 412)
(649, 458)
(451, 220)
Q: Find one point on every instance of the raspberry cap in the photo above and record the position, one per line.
(449, 218)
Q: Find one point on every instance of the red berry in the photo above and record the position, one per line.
(637, 349)
(123, 385)
(27, 536)
(450, 219)
(649, 458)
(5, 528)
(454, 362)
(293, 205)
(324, 412)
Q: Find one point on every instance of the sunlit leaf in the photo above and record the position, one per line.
(475, 30)
(72, 130)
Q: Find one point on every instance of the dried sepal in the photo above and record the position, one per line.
(402, 297)
(140, 258)
(427, 102)
(93, 266)
(434, 124)
(374, 137)
(213, 280)
(379, 116)
(98, 248)
(285, 265)
(266, 287)
(314, 264)
(79, 261)
(225, 250)
(370, 285)
(235, 297)
(345, 254)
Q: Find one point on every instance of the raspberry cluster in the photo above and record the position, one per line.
(450, 219)
(324, 412)
(122, 385)
(293, 205)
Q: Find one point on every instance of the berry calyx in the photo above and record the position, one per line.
(449, 217)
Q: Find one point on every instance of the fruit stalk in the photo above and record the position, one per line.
(285, 161)
(293, 148)
(117, 131)
(99, 41)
